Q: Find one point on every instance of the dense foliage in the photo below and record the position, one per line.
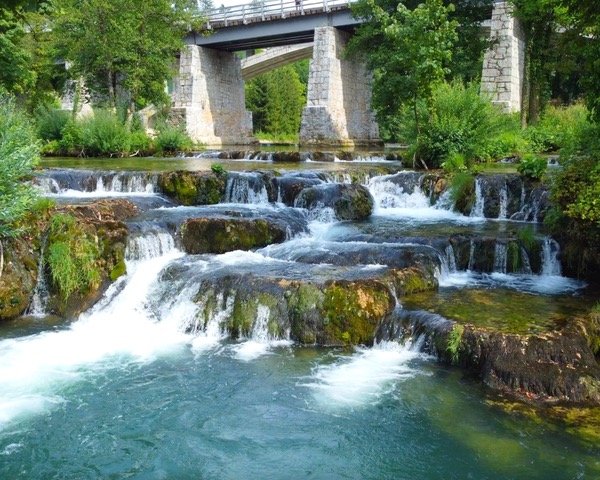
(19, 152)
(409, 52)
(128, 58)
(276, 100)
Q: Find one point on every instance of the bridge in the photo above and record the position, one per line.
(209, 101)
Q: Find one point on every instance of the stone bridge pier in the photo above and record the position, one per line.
(338, 110)
(208, 97)
(504, 63)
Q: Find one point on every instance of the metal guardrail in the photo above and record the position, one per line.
(264, 10)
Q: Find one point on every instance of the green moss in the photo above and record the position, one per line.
(453, 342)
(118, 270)
(413, 280)
(73, 256)
(303, 302)
(242, 317)
(514, 261)
(462, 191)
(190, 188)
(352, 311)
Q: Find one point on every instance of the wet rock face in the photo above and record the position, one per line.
(220, 235)
(549, 367)
(101, 221)
(288, 187)
(349, 202)
(104, 223)
(18, 278)
(193, 188)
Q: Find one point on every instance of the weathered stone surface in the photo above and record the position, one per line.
(350, 202)
(504, 63)
(193, 188)
(338, 110)
(220, 235)
(209, 99)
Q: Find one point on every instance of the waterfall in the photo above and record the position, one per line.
(550, 262)
(502, 215)
(500, 257)
(40, 293)
(246, 187)
(149, 245)
(477, 210)
(208, 335)
(401, 190)
(471, 255)
(447, 261)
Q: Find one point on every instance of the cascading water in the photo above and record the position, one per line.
(550, 262)
(500, 257)
(502, 215)
(478, 206)
(40, 293)
(246, 187)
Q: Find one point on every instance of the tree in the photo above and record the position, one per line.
(276, 100)
(409, 52)
(19, 152)
(15, 74)
(123, 48)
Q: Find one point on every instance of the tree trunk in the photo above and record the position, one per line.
(111, 88)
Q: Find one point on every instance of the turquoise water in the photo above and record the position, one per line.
(296, 413)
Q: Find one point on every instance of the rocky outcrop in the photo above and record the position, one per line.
(344, 310)
(100, 223)
(18, 277)
(349, 202)
(220, 235)
(547, 367)
(193, 188)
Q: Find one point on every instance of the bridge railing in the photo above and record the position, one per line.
(263, 10)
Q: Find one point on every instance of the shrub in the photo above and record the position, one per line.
(72, 256)
(51, 122)
(533, 167)
(218, 169)
(460, 121)
(140, 142)
(172, 139)
(508, 143)
(19, 153)
(72, 138)
(557, 128)
(104, 134)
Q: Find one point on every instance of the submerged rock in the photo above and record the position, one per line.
(349, 202)
(220, 235)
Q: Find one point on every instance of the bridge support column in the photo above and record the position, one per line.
(504, 63)
(209, 100)
(338, 110)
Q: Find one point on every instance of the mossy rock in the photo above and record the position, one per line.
(352, 311)
(220, 235)
(18, 278)
(193, 188)
(349, 202)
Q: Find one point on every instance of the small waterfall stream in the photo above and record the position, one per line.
(40, 293)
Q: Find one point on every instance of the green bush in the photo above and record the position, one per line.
(557, 128)
(140, 142)
(72, 138)
(532, 166)
(19, 153)
(460, 121)
(508, 143)
(172, 139)
(72, 256)
(51, 122)
(104, 134)
(218, 169)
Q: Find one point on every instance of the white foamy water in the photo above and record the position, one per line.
(365, 377)
(123, 327)
(210, 337)
(260, 342)
(542, 284)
